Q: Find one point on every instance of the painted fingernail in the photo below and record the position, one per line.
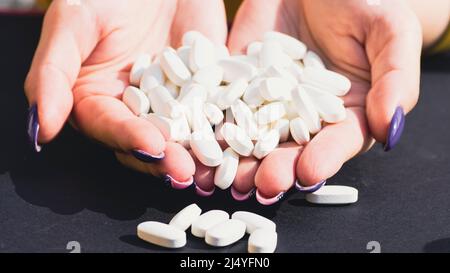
(202, 192)
(241, 196)
(268, 201)
(177, 185)
(146, 157)
(33, 128)
(309, 189)
(395, 129)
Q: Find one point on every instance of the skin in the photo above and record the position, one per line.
(82, 66)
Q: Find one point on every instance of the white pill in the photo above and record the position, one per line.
(266, 143)
(192, 93)
(162, 103)
(234, 69)
(282, 126)
(136, 100)
(333, 195)
(253, 221)
(199, 121)
(306, 109)
(252, 95)
(207, 220)
(225, 233)
(151, 74)
(190, 36)
(299, 131)
(291, 111)
(137, 70)
(161, 234)
(233, 92)
(222, 52)
(291, 46)
(251, 60)
(270, 113)
(296, 70)
(330, 108)
(184, 52)
(313, 60)
(184, 219)
(148, 82)
(202, 54)
(254, 48)
(213, 113)
(174, 68)
(214, 93)
(262, 130)
(206, 148)
(262, 241)
(271, 54)
(226, 172)
(273, 88)
(172, 88)
(327, 80)
(211, 75)
(280, 72)
(165, 125)
(237, 139)
(244, 118)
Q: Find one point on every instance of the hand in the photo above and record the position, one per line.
(82, 65)
(377, 47)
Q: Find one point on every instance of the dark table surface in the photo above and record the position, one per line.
(74, 190)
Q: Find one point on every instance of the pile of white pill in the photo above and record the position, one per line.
(275, 92)
(215, 226)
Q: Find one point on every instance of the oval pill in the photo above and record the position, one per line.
(327, 80)
(252, 96)
(254, 221)
(237, 139)
(136, 100)
(299, 131)
(262, 241)
(333, 195)
(270, 113)
(211, 75)
(225, 233)
(266, 144)
(235, 69)
(184, 219)
(291, 46)
(142, 62)
(213, 113)
(207, 220)
(226, 172)
(206, 148)
(282, 126)
(161, 234)
(274, 88)
(233, 92)
(306, 109)
(313, 60)
(174, 68)
(202, 54)
(243, 116)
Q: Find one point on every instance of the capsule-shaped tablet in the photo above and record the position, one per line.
(207, 220)
(214, 93)
(313, 60)
(262, 241)
(274, 88)
(254, 221)
(333, 195)
(213, 113)
(183, 52)
(202, 54)
(281, 72)
(174, 68)
(299, 131)
(192, 93)
(266, 144)
(165, 125)
(244, 118)
(235, 69)
(161, 234)
(225, 233)
(185, 217)
(162, 103)
(206, 148)
(142, 62)
(291, 46)
(282, 126)
(172, 88)
(237, 139)
(152, 77)
(270, 113)
(306, 109)
(199, 121)
(327, 80)
(252, 96)
(226, 172)
(211, 75)
(296, 70)
(271, 54)
(136, 100)
(233, 92)
(330, 108)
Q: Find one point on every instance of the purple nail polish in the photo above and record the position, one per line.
(395, 129)
(309, 189)
(202, 192)
(177, 184)
(268, 201)
(33, 127)
(146, 157)
(241, 196)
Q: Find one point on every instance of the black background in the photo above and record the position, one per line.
(74, 190)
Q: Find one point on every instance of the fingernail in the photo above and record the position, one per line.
(241, 196)
(146, 157)
(268, 201)
(33, 128)
(309, 189)
(395, 129)
(202, 192)
(177, 185)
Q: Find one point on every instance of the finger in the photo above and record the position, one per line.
(67, 38)
(244, 183)
(331, 148)
(207, 17)
(203, 177)
(394, 51)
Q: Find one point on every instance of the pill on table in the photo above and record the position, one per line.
(299, 131)
(190, 36)
(226, 172)
(237, 139)
(270, 113)
(274, 88)
(327, 80)
(174, 68)
(234, 69)
(254, 48)
(266, 143)
(207, 220)
(210, 75)
(183, 52)
(161, 234)
(271, 54)
(282, 126)
(137, 70)
(291, 46)
(136, 100)
(252, 96)
(262, 241)
(243, 116)
(253, 221)
(213, 113)
(202, 54)
(306, 109)
(184, 219)
(233, 92)
(333, 195)
(225, 233)
(206, 148)
(313, 60)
